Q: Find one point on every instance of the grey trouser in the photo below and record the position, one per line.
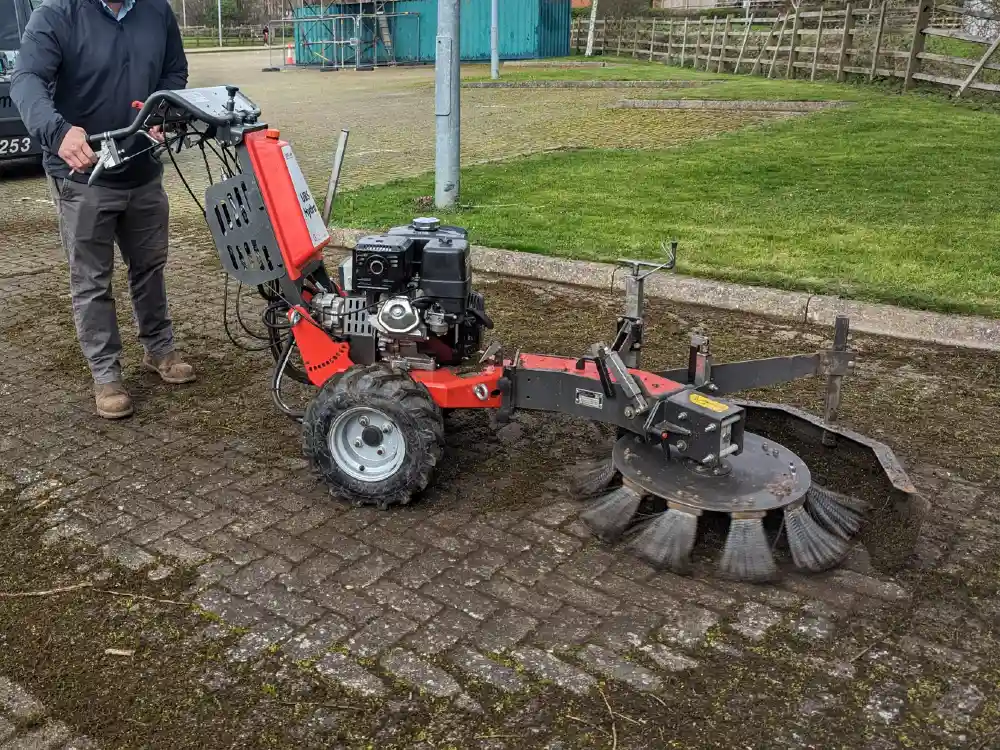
(91, 221)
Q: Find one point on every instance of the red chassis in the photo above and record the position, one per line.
(325, 357)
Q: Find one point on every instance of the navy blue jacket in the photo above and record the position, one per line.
(79, 66)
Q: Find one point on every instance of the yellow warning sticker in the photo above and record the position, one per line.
(707, 403)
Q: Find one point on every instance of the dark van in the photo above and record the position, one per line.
(15, 142)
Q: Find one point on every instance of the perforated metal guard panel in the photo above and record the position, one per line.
(356, 318)
(244, 237)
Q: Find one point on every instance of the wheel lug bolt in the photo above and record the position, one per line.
(364, 421)
(387, 429)
(380, 452)
(357, 443)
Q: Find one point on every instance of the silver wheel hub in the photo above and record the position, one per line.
(366, 444)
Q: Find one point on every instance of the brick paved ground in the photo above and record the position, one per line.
(491, 579)
(25, 723)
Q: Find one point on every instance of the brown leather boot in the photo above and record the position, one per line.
(113, 401)
(170, 367)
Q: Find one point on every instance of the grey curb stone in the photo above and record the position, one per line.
(968, 332)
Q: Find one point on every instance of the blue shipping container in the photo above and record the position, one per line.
(529, 29)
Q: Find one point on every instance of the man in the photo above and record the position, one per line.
(82, 64)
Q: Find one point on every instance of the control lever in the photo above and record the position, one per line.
(109, 156)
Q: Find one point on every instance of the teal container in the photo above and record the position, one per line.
(529, 29)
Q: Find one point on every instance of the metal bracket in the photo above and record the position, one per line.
(493, 354)
(700, 361)
(624, 378)
(833, 381)
(835, 363)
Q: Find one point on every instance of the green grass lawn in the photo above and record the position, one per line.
(894, 199)
(745, 87)
(620, 69)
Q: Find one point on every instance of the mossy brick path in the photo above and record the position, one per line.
(490, 578)
(26, 723)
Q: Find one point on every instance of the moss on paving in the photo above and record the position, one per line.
(158, 699)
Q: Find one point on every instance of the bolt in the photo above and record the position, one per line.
(682, 416)
(357, 443)
(386, 429)
(361, 468)
(364, 421)
(682, 445)
(712, 428)
(765, 447)
(380, 452)
(629, 412)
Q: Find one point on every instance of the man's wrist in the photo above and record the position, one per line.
(60, 134)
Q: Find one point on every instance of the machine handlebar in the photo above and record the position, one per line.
(217, 106)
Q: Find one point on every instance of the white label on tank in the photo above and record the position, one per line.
(318, 232)
(590, 399)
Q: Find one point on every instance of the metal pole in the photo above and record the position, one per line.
(447, 104)
(338, 162)
(593, 24)
(495, 39)
(219, 5)
(184, 13)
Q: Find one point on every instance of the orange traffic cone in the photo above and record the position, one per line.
(290, 55)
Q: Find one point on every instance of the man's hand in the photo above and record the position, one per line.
(75, 151)
(157, 132)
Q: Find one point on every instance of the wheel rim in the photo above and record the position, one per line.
(366, 444)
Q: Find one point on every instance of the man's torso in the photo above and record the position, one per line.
(108, 63)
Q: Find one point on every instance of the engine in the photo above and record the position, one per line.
(409, 298)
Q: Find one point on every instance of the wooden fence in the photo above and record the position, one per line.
(926, 42)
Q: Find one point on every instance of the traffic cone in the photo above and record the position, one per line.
(290, 55)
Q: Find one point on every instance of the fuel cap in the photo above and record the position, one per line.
(426, 224)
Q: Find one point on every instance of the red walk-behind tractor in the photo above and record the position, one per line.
(393, 340)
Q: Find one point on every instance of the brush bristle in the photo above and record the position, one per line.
(747, 554)
(813, 547)
(833, 511)
(592, 478)
(609, 516)
(667, 540)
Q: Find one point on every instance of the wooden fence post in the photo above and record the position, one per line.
(711, 43)
(845, 42)
(684, 42)
(878, 42)
(763, 47)
(796, 27)
(777, 46)
(652, 36)
(819, 39)
(635, 40)
(743, 45)
(621, 33)
(725, 42)
(697, 41)
(917, 44)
